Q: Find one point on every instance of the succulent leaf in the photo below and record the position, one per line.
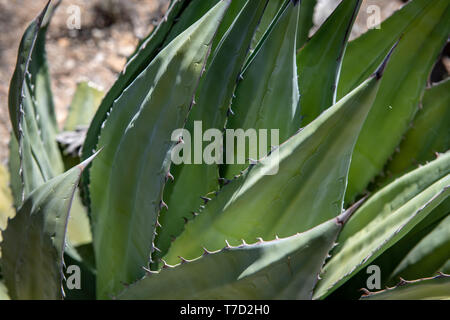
(428, 255)
(305, 21)
(15, 179)
(212, 102)
(400, 91)
(267, 96)
(85, 103)
(6, 200)
(429, 133)
(3, 292)
(436, 288)
(136, 160)
(270, 14)
(34, 240)
(31, 109)
(305, 192)
(146, 52)
(384, 219)
(278, 269)
(319, 61)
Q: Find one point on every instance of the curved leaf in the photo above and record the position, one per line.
(429, 133)
(267, 96)
(271, 12)
(31, 109)
(3, 292)
(400, 92)
(146, 52)
(303, 193)
(279, 269)
(136, 158)
(428, 255)
(6, 201)
(319, 61)
(305, 21)
(34, 240)
(437, 288)
(85, 103)
(384, 219)
(213, 100)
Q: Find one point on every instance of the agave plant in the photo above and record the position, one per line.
(363, 164)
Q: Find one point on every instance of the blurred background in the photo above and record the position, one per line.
(109, 33)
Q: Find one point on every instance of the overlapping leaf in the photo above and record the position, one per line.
(34, 240)
(305, 21)
(267, 96)
(6, 201)
(424, 36)
(319, 61)
(429, 133)
(31, 111)
(3, 292)
(436, 288)
(84, 104)
(279, 269)
(428, 255)
(137, 148)
(384, 219)
(305, 192)
(195, 180)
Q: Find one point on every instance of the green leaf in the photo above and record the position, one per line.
(6, 201)
(429, 133)
(305, 21)
(437, 288)
(445, 267)
(146, 52)
(304, 192)
(3, 292)
(15, 179)
(213, 99)
(319, 61)
(159, 33)
(85, 103)
(31, 109)
(267, 96)
(365, 53)
(227, 21)
(280, 269)
(384, 219)
(78, 228)
(271, 12)
(400, 91)
(388, 260)
(73, 257)
(34, 240)
(428, 255)
(195, 10)
(136, 157)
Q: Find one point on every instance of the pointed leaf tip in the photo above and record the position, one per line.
(379, 72)
(86, 162)
(347, 214)
(40, 17)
